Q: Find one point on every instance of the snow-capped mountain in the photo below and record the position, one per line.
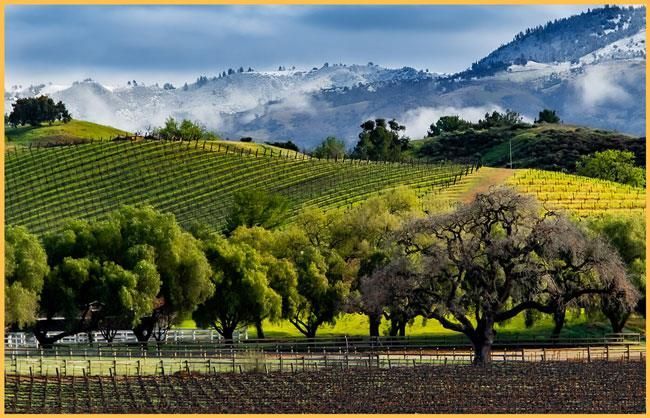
(589, 67)
(137, 107)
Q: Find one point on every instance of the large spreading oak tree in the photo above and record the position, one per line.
(489, 261)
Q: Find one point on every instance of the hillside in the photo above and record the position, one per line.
(195, 181)
(579, 195)
(566, 40)
(546, 146)
(72, 131)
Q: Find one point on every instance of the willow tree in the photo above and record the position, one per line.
(242, 290)
(25, 271)
(137, 269)
(281, 272)
(322, 282)
(359, 236)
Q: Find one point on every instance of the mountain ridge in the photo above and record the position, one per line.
(600, 88)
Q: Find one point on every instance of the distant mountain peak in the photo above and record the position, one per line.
(563, 40)
(589, 67)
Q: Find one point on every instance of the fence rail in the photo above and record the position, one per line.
(209, 340)
(27, 339)
(240, 362)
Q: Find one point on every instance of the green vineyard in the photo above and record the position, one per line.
(583, 196)
(194, 180)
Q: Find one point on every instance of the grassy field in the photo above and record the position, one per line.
(60, 132)
(577, 326)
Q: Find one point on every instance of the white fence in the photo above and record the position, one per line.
(26, 339)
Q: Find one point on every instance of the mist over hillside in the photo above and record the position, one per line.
(589, 67)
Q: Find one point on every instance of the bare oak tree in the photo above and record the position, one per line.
(494, 258)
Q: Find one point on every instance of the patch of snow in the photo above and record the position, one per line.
(626, 48)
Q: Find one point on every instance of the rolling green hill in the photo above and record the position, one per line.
(58, 132)
(195, 181)
(546, 146)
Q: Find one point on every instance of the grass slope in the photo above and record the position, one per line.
(60, 132)
(256, 147)
(577, 326)
(195, 181)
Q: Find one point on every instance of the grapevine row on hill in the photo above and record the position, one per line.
(194, 181)
(581, 195)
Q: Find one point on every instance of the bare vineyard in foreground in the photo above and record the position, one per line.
(515, 387)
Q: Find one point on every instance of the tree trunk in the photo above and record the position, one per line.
(617, 322)
(394, 327)
(41, 329)
(259, 329)
(227, 334)
(640, 307)
(311, 332)
(558, 319)
(375, 322)
(47, 342)
(402, 329)
(144, 329)
(482, 342)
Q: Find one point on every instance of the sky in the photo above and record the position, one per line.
(113, 44)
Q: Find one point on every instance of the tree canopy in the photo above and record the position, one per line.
(243, 294)
(612, 165)
(36, 110)
(448, 124)
(25, 271)
(257, 208)
(186, 130)
(498, 119)
(157, 270)
(330, 148)
(381, 141)
(286, 145)
(547, 116)
(627, 235)
(489, 261)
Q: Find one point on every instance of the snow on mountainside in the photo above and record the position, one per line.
(625, 48)
(562, 40)
(590, 68)
(138, 107)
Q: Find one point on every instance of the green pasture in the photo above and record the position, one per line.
(577, 326)
(60, 132)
